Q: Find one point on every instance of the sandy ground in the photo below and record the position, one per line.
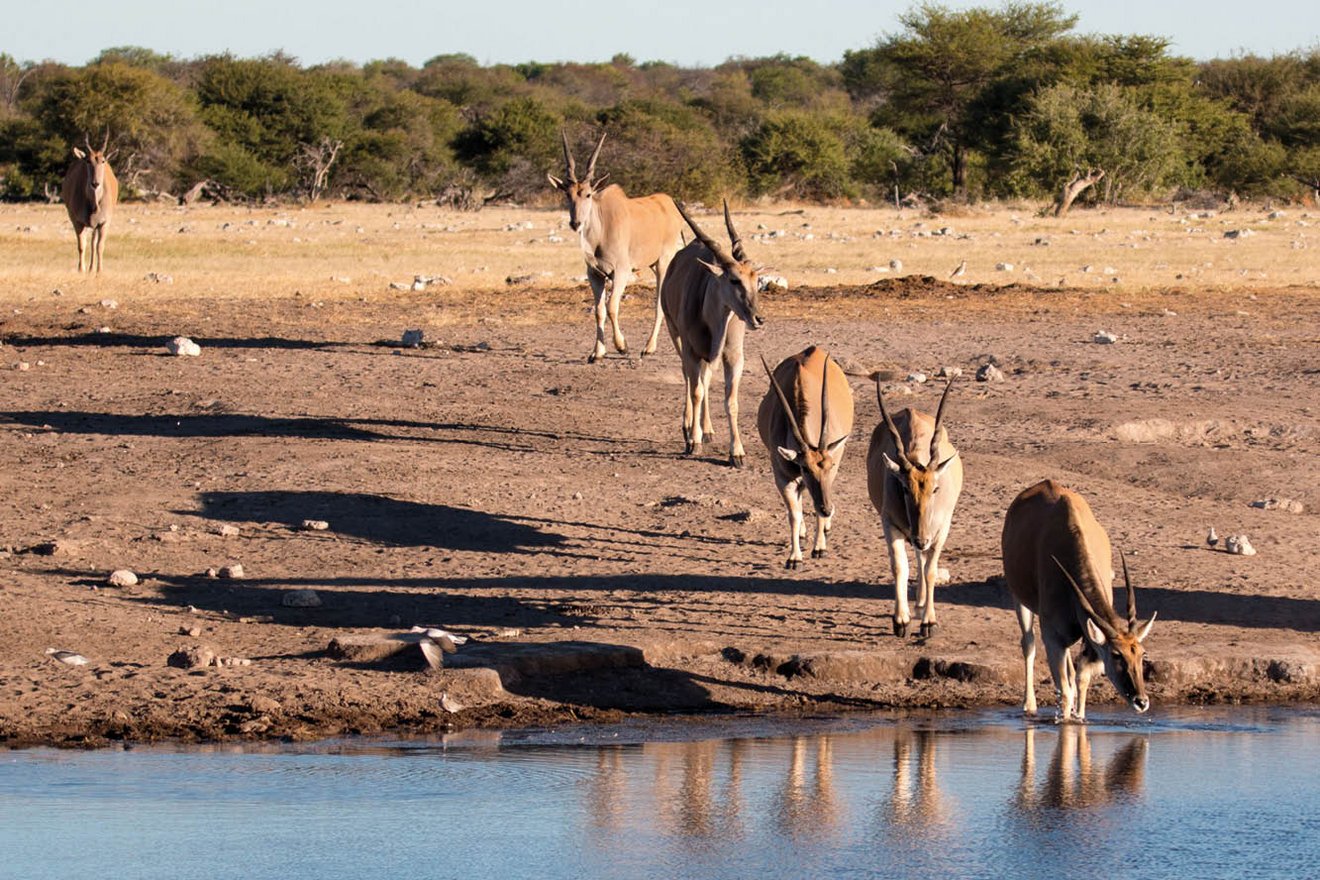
(495, 484)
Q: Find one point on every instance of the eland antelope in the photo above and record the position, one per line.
(804, 421)
(914, 476)
(709, 296)
(1058, 566)
(91, 192)
(619, 236)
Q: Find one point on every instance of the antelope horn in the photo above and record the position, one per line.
(788, 410)
(1086, 603)
(595, 154)
(939, 417)
(1131, 594)
(889, 423)
(702, 237)
(106, 142)
(738, 253)
(824, 401)
(87, 142)
(568, 158)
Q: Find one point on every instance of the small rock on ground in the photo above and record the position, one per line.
(301, 599)
(122, 577)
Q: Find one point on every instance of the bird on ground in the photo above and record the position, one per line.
(960, 271)
(1212, 539)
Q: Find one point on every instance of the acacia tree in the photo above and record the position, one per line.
(934, 72)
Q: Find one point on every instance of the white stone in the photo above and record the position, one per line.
(182, 346)
(1104, 337)
(315, 525)
(896, 265)
(1004, 267)
(301, 599)
(916, 377)
(1238, 545)
(768, 282)
(122, 577)
(989, 373)
(229, 531)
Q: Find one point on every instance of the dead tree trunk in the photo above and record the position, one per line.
(1074, 188)
(317, 159)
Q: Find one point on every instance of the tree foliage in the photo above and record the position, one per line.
(984, 101)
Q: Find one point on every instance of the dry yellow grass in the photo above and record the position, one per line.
(338, 251)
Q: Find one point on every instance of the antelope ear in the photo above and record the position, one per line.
(889, 463)
(788, 454)
(1094, 633)
(939, 469)
(1144, 629)
(77, 151)
(554, 181)
(715, 268)
(837, 444)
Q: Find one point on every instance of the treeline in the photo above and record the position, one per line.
(982, 103)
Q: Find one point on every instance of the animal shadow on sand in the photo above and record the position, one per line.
(380, 519)
(157, 343)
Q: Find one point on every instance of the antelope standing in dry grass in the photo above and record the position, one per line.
(1058, 566)
(914, 476)
(709, 296)
(91, 192)
(804, 421)
(619, 236)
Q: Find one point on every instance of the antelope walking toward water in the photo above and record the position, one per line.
(709, 297)
(1058, 566)
(805, 420)
(914, 476)
(619, 236)
(91, 192)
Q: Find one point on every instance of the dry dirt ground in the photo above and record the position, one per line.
(493, 483)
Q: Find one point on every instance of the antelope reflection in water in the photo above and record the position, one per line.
(1073, 780)
(916, 804)
(807, 805)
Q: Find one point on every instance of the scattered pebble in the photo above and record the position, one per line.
(315, 525)
(1104, 337)
(989, 373)
(449, 704)
(948, 372)
(263, 705)
(1287, 505)
(412, 338)
(232, 572)
(190, 631)
(896, 265)
(301, 599)
(182, 346)
(519, 280)
(772, 282)
(159, 278)
(916, 377)
(122, 577)
(1004, 267)
(192, 657)
(229, 531)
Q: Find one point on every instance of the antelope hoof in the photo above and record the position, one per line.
(692, 448)
(818, 554)
(792, 564)
(900, 629)
(928, 629)
(592, 358)
(737, 460)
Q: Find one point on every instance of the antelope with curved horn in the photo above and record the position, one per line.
(91, 192)
(1058, 566)
(804, 420)
(709, 296)
(914, 476)
(619, 236)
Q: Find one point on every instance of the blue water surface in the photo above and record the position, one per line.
(1223, 793)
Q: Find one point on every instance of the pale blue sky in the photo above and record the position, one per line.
(686, 32)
